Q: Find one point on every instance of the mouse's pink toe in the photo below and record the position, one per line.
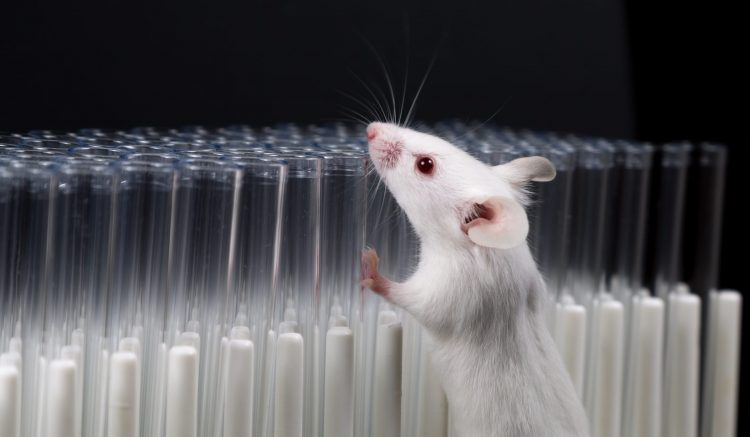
(369, 261)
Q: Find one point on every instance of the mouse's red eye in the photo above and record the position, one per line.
(425, 165)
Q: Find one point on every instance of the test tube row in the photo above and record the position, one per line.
(204, 282)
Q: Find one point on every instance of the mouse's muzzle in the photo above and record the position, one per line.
(384, 145)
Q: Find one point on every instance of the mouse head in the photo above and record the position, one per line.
(451, 196)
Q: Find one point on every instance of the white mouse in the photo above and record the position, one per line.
(477, 289)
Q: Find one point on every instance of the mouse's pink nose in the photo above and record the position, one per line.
(372, 132)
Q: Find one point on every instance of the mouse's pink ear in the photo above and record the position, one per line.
(498, 222)
(523, 170)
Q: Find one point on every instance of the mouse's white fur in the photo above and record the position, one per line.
(483, 306)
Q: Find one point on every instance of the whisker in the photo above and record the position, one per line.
(352, 117)
(371, 110)
(344, 120)
(384, 69)
(356, 116)
(497, 111)
(385, 100)
(365, 121)
(419, 90)
(406, 69)
(372, 191)
(352, 110)
(394, 214)
(369, 90)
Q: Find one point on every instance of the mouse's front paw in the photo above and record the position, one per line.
(370, 262)
(370, 278)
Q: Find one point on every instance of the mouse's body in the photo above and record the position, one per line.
(477, 289)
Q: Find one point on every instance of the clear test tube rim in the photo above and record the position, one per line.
(595, 155)
(7, 149)
(49, 134)
(349, 164)
(201, 154)
(678, 153)
(95, 133)
(255, 163)
(638, 155)
(249, 156)
(97, 151)
(240, 144)
(35, 154)
(187, 164)
(51, 144)
(189, 146)
(85, 167)
(150, 158)
(150, 147)
(300, 165)
(42, 170)
(272, 141)
(109, 142)
(126, 167)
(7, 138)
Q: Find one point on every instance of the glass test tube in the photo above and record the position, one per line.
(201, 259)
(254, 274)
(552, 226)
(139, 259)
(343, 200)
(76, 286)
(344, 190)
(35, 193)
(711, 169)
(255, 278)
(79, 249)
(199, 256)
(673, 167)
(9, 297)
(628, 212)
(297, 309)
(587, 221)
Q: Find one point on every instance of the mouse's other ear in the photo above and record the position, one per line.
(523, 170)
(498, 222)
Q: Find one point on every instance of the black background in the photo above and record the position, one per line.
(618, 69)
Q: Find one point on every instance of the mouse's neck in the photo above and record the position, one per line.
(500, 268)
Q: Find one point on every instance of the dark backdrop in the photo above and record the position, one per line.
(688, 83)
(554, 64)
(604, 67)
